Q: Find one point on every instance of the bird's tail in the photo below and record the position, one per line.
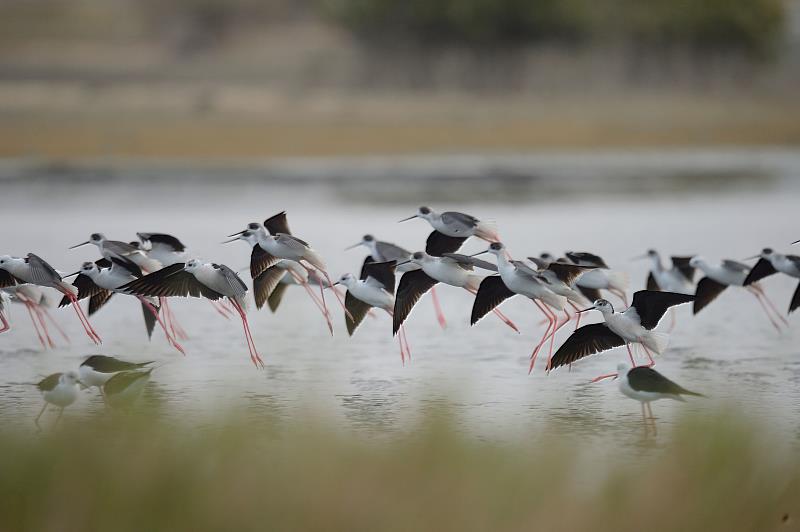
(316, 260)
(657, 341)
(474, 283)
(618, 280)
(487, 230)
(684, 391)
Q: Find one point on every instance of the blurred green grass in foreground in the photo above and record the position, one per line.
(136, 473)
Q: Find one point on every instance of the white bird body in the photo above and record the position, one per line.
(22, 270)
(602, 279)
(112, 249)
(288, 247)
(527, 285)
(784, 264)
(556, 285)
(669, 279)
(369, 291)
(448, 271)
(65, 392)
(627, 325)
(727, 272)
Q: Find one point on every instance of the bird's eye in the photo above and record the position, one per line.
(496, 245)
(417, 255)
(424, 210)
(369, 238)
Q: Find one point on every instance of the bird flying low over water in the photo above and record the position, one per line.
(633, 326)
(771, 262)
(198, 279)
(456, 224)
(678, 277)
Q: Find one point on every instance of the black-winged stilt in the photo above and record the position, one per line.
(198, 279)
(644, 384)
(456, 224)
(719, 276)
(35, 270)
(678, 277)
(122, 251)
(60, 390)
(97, 369)
(771, 262)
(516, 277)
(102, 279)
(633, 326)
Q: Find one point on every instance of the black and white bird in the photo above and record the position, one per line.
(719, 276)
(37, 303)
(771, 262)
(457, 224)
(600, 278)
(100, 280)
(123, 251)
(198, 279)
(678, 277)
(59, 390)
(374, 287)
(516, 277)
(122, 389)
(644, 384)
(35, 270)
(98, 369)
(635, 325)
(163, 248)
(453, 269)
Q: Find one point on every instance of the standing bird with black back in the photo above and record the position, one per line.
(199, 279)
(646, 385)
(98, 369)
(60, 390)
(634, 325)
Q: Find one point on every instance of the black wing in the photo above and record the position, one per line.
(367, 260)
(583, 258)
(795, 300)
(357, 309)
(491, 293)
(651, 283)
(682, 263)
(276, 296)
(439, 243)
(651, 305)
(592, 294)
(587, 340)
(277, 224)
(707, 290)
(49, 382)
(412, 285)
(6, 279)
(149, 319)
(260, 260)
(125, 264)
(567, 273)
(763, 268)
(163, 239)
(265, 284)
(644, 379)
(99, 299)
(106, 364)
(168, 282)
(86, 288)
(383, 272)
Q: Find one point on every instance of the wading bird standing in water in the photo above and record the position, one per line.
(58, 389)
(198, 279)
(34, 270)
(644, 384)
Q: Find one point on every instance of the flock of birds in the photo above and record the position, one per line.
(158, 266)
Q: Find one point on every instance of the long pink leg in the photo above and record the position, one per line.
(6, 325)
(55, 324)
(405, 339)
(766, 311)
(556, 328)
(254, 356)
(313, 296)
(437, 307)
(499, 314)
(174, 325)
(402, 351)
(219, 310)
(28, 306)
(82, 317)
(578, 315)
(630, 354)
(171, 339)
(43, 325)
(769, 302)
(649, 356)
(550, 324)
(652, 419)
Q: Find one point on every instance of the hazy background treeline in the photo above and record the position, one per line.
(498, 44)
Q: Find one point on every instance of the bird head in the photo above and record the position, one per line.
(192, 265)
(423, 212)
(347, 280)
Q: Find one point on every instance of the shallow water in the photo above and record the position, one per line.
(726, 205)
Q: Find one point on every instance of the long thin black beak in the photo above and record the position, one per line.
(402, 262)
(81, 244)
(70, 275)
(353, 246)
(409, 218)
(479, 253)
(232, 239)
(334, 284)
(239, 233)
(753, 257)
(795, 242)
(585, 310)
